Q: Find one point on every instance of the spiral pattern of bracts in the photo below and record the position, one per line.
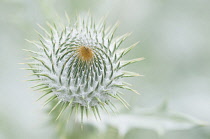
(80, 65)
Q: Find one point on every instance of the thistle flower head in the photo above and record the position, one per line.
(80, 65)
(85, 54)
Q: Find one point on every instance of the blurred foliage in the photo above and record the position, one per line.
(160, 119)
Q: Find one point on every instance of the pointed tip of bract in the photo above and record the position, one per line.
(22, 63)
(67, 18)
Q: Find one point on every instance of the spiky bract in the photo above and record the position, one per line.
(80, 65)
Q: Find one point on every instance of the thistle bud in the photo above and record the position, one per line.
(80, 66)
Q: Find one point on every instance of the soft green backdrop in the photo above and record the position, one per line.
(174, 38)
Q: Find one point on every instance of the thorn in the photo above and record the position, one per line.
(54, 107)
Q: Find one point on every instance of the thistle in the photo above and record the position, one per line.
(79, 66)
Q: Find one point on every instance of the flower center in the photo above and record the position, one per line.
(85, 53)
